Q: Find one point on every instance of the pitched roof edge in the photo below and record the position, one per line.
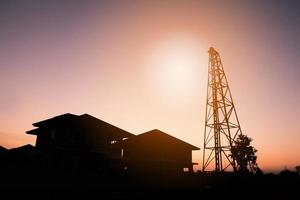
(157, 130)
(106, 123)
(40, 123)
(33, 131)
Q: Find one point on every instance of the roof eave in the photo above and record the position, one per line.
(33, 131)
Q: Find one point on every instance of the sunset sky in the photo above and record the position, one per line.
(142, 65)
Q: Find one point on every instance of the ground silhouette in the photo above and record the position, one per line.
(82, 157)
(21, 176)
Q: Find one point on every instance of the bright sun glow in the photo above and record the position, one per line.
(177, 66)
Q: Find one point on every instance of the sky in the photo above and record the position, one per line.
(142, 65)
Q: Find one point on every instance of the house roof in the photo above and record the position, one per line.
(3, 150)
(155, 133)
(89, 120)
(24, 148)
(85, 121)
(33, 131)
(56, 119)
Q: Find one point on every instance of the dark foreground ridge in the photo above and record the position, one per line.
(82, 157)
(20, 179)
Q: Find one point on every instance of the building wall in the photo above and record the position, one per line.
(79, 140)
(157, 154)
(60, 138)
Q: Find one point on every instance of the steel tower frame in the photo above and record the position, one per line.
(221, 121)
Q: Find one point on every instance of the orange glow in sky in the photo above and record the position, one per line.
(142, 65)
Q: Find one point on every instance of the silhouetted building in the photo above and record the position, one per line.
(23, 157)
(157, 151)
(71, 142)
(2, 150)
(71, 139)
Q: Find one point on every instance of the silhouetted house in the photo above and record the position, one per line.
(69, 139)
(72, 142)
(23, 157)
(2, 150)
(157, 151)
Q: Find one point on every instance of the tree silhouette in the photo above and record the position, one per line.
(244, 155)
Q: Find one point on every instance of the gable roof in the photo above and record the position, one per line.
(158, 133)
(88, 120)
(55, 120)
(3, 150)
(84, 121)
(23, 149)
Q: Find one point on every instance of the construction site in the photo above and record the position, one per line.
(149, 99)
(82, 157)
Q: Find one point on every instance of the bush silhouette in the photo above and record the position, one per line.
(244, 155)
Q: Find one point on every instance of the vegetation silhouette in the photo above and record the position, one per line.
(244, 155)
